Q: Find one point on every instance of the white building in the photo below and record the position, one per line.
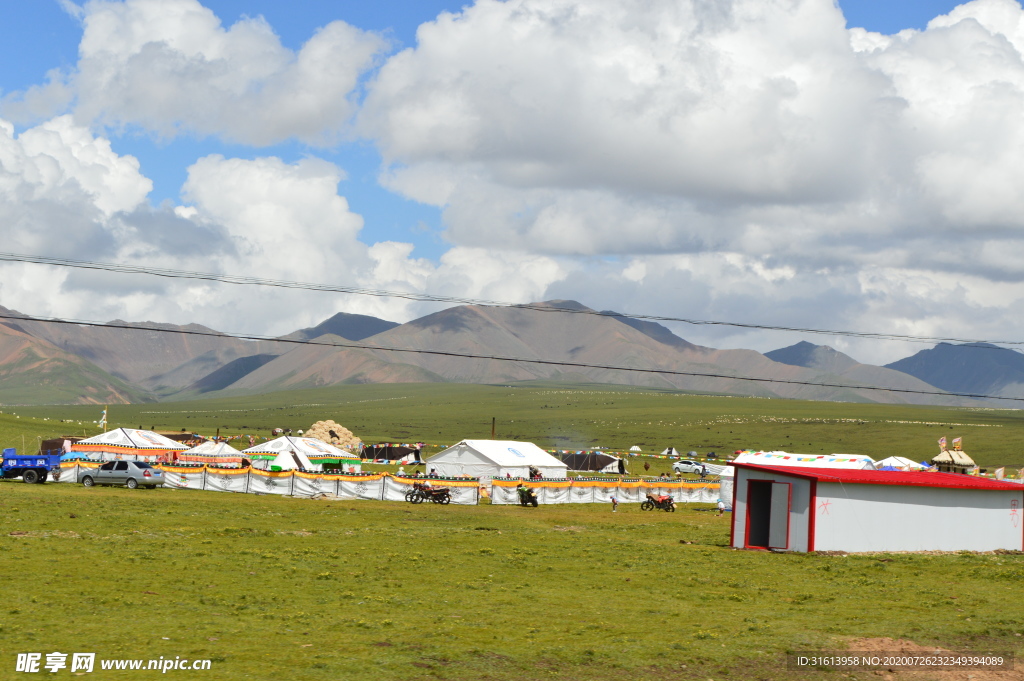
(828, 509)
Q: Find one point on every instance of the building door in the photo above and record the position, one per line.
(768, 514)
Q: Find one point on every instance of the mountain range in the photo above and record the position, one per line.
(44, 362)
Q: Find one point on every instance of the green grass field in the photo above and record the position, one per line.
(272, 587)
(570, 417)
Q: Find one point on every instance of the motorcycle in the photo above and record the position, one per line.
(423, 492)
(662, 503)
(527, 497)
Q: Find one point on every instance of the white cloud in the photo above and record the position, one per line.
(170, 66)
(63, 192)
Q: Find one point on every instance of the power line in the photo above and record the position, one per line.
(498, 358)
(455, 300)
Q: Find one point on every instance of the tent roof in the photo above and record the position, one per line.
(954, 457)
(311, 447)
(854, 461)
(211, 448)
(507, 453)
(870, 477)
(131, 438)
(588, 461)
(899, 462)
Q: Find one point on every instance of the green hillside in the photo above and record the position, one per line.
(556, 415)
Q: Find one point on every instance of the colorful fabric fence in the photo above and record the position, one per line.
(598, 491)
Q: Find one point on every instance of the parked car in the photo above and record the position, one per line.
(688, 466)
(131, 474)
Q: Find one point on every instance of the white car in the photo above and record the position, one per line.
(688, 466)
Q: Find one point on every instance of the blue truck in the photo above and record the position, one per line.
(32, 469)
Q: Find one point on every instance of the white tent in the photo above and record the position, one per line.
(129, 444)
(494, 459)
(850, 461)
(288, 453)
(217, 453)
(900, 462)
(635, 448)
(672, 452)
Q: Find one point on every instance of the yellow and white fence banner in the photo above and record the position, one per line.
(227, 479)
(184, 477)
(270, 482)
(598, 491)
(361, 486)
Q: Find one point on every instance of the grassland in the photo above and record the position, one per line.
(272, 587)
(575, 417)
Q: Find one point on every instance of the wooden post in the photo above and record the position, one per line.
(493, 421)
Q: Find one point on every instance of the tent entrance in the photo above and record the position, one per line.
(768, 514)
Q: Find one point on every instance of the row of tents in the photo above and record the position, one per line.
(469, 458)
(283, 453)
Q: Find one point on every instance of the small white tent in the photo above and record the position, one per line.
(494, 459)
(671, 452)
(849, 461)
(900, 463)
(211, 452)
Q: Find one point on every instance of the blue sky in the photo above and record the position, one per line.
(774, 167)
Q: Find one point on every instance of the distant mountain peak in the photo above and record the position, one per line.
(980, 368)
(811, 356)
(353, 327)
(564, 305)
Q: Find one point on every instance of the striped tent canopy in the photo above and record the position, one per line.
(315, 450)
(217, 453)
(129, 444)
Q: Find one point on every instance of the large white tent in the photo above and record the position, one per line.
(289, 453)
(488, 459)
(849, 461)
(128, 444)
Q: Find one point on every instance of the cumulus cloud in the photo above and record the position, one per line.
(170, 66)
(58, 186)
(609, 128)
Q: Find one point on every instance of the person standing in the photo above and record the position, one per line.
(615, 505)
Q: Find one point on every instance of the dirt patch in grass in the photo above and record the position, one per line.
(905, 647)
